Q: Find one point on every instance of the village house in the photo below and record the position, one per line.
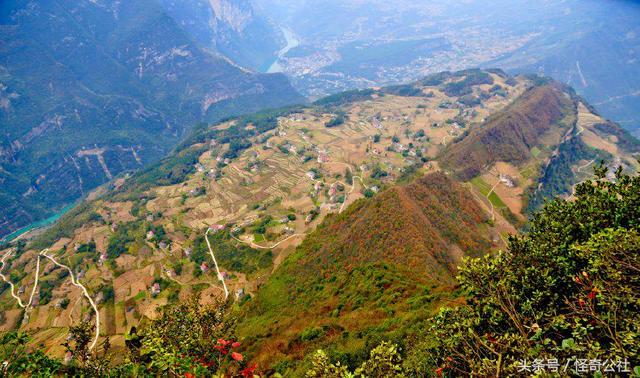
(36, 299)
(311, 175)
(68, 357)
(187, 252)
(323, 157)
(240, 293)
(99, 298)
(329, 206)
(162, 245)
(155, 289)
(204, 267)
(150, 235)
(309, 218)
(199, 167)
(333, 190)
(216, 228)
(507, 180)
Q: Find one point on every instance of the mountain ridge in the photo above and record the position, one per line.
(126, 84)
(358, 179)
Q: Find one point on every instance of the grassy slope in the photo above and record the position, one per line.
(375, 270)
(511, 134)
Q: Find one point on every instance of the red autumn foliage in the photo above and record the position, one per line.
(248, 372)
(509, 134)
(237, 356)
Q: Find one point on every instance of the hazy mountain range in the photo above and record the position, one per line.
(591, 45)
(269, 187)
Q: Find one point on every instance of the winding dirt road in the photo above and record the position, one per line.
(43, 253)
(5, 279)
(215, 262)
(84, 290)
(257, 246)
(35, 284)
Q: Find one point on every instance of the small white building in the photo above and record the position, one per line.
(323, 157)
(507, 181)
(217, 228)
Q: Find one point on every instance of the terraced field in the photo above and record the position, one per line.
(138, 252)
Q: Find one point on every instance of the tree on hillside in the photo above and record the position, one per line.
(565, 292)
(16, 358)
(187, 340)
(384, 362)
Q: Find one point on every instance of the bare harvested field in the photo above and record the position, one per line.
(286, 183)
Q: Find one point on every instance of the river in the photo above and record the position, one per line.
(292, 42)
(41, 223)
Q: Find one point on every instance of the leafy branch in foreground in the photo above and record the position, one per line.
(569, 288)
(384, 362)
(186, 340)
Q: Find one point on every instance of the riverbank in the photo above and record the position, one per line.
(292, 42)
(36, 225)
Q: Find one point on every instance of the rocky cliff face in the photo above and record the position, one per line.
(89, 89)
(229, 27)
(237, 15)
